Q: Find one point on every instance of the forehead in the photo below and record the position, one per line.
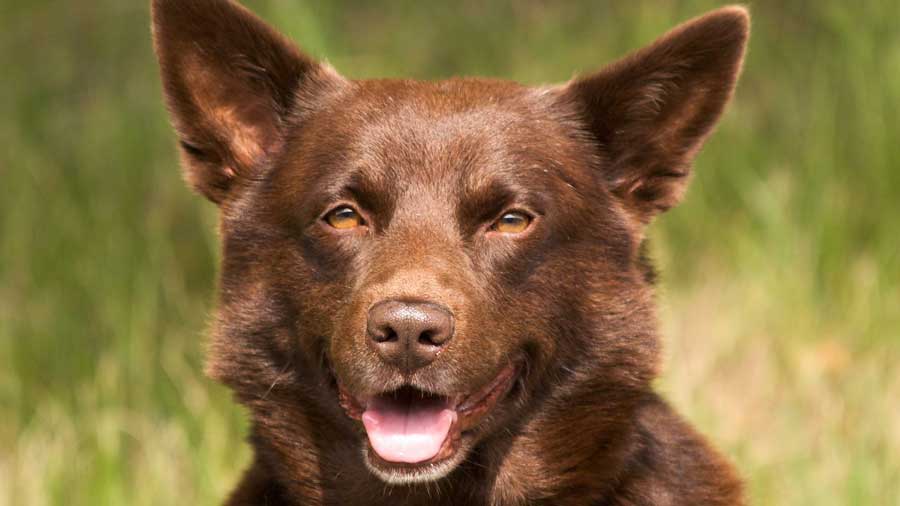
(451, 140)
(436, 130)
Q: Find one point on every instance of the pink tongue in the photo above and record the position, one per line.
(407, 431)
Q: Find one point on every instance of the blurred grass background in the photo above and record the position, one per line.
(781, 271)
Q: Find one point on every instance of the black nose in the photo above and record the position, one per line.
(409, 335)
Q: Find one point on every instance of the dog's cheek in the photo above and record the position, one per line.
(333, 316)
(518, 276)
(275, 277)
(355, 366)
(320, 290)
(552, 311)
(499, 325)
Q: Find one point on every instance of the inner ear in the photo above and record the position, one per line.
(651, 111)
(230, 82)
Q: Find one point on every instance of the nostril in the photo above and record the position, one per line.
(385, 335)
(427, 338)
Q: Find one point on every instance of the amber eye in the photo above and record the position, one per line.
(513, 222)
(344, 218)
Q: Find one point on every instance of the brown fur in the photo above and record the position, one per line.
(277, 139)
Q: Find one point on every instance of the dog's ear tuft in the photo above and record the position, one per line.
(652, 110)
(230, 81)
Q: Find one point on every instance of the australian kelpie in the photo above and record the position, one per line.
(435, 292)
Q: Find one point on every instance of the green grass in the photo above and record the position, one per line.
(781, 285)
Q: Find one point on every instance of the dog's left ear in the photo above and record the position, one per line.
(652, 110)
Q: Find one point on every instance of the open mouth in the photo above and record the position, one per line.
(411, 428)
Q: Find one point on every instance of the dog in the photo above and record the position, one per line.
(437, 292)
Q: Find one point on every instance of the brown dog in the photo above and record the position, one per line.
(434, 292)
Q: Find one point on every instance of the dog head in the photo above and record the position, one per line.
(412, 270)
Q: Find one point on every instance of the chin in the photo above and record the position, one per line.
(394, 473)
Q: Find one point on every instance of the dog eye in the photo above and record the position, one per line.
(344, 218)
(513, 222)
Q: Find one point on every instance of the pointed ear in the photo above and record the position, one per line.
(651, 111)
(230, 82)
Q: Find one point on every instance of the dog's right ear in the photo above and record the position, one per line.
(230, 82)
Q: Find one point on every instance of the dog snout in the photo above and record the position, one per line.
(409, 335)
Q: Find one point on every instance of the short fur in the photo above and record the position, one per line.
(276, 139)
